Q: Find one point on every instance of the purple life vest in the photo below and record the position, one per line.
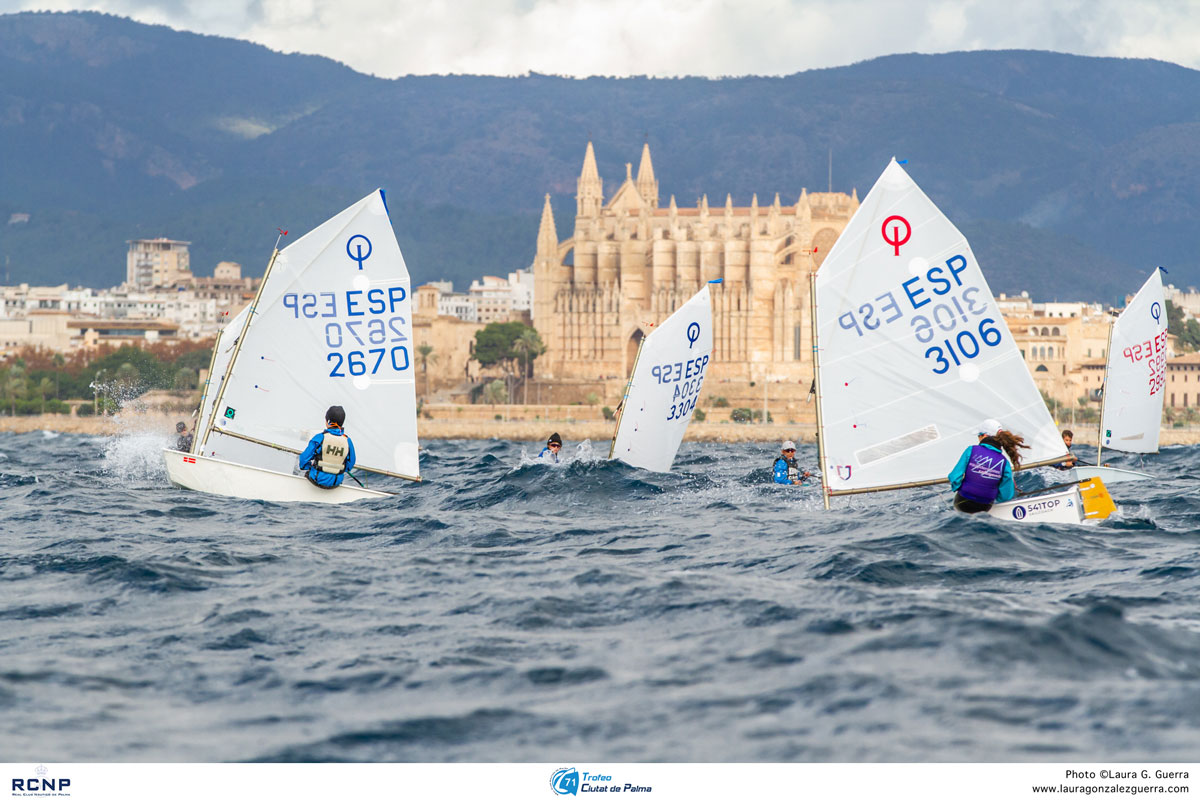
(981, 480)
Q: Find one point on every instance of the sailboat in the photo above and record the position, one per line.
(331, 324)
(912, 353)
(1134, 384)
(668, 374)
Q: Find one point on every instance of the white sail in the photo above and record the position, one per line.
(228, 448)
(913, 351)
(333, 326)
(1136, 372)
(222, 352)
(665, 386)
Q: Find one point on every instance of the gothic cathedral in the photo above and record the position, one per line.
(634, 263)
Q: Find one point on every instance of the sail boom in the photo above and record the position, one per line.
(294, 451)
(935, 481)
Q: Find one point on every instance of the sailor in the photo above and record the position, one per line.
(983, 474)
(551, 450)
(786, 470)
(1070, 461)
(330, 454)
(184, 440)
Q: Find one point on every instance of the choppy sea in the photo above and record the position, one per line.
(503, 611)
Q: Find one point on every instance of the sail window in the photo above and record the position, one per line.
(878, 452)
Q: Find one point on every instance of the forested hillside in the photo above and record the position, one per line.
(1072, 176)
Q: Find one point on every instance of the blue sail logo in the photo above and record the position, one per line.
(565, 781)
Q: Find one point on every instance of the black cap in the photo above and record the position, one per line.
(336, 415)
(554, 437)
(181, 427)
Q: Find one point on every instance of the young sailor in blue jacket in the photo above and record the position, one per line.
(330, 454)
(786, 470)
(983, 474)
(552, 449)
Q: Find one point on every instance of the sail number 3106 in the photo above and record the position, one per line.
(963, 346)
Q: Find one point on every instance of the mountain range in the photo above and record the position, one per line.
(1071, 176)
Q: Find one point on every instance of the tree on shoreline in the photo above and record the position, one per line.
(426, 355)
(504, 343)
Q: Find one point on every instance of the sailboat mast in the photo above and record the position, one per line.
(612, 446)
(212, 362)
(1104, 391)
(812, 297)
(212, 418)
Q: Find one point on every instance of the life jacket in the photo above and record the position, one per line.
(981, 480)
(792, 468)
(331, 455)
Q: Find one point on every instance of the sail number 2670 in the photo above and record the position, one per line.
(964, 345)
(373, 331)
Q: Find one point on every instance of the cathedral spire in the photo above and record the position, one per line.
(590, 195)
(547, 241)
(647, 186)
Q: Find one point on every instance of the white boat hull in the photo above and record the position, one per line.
(1061, 506)
(215, 476)
(1109, 475)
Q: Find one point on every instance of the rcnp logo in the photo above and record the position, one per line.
(1019, 512)
(42, 785)
(565, 781)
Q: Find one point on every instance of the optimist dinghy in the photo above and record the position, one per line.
(668, 374)
(1134, 381)
(331, 324)
(911, 352)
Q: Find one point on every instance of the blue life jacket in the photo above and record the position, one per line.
(548, 455)
(984, 471)
(785, 470)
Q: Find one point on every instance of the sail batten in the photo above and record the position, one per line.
(913, 351)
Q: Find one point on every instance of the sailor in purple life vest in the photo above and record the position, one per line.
(983, 474)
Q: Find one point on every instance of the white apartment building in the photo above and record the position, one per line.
(157, 262)
(496, 299)
(457, 304)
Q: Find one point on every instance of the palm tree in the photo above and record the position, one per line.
(45, 386)
(15, 386)
(529, 346)
(495, 392)
(425, 355)
(58, 362)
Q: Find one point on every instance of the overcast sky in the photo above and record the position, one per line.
(665, 37)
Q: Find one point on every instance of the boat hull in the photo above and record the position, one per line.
(1085, 502)
(1061, 506)
(214, 476)
(1109, 475)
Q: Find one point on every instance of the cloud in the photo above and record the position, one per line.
(665, 37)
